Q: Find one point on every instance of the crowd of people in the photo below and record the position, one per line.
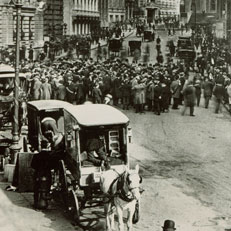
(142, 86)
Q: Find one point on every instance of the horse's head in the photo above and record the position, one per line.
(133, 181)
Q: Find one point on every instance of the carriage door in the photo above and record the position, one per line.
(34, 129)
(71, 134)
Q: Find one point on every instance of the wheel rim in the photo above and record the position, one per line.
(73, 206)
(63, 182)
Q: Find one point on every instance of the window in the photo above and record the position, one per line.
(212, 5)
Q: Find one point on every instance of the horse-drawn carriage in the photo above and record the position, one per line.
(83, 48)
(149, 35)
(7, 76)
(115, 45)
(78, 124)
(134, 44)
(185, 49)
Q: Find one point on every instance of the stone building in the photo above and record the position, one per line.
(152, 9)
(53, 18)
(210, 13)
(169, 8)
(116, 11)
(31, 23)
(81, 16)
(103, 10)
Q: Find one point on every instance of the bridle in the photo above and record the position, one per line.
(124, 189)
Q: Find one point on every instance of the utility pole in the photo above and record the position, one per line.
(15, 128)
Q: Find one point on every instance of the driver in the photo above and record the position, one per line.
(55, 138)
(96, 151)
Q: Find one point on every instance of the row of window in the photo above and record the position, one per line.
(89, 5)
(116, 18)
(30, 19)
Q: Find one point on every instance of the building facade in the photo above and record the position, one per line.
(210, 13)
(31, 25)
(53, 18)
(152, 10)
(103, 10)
(116, 11)
(81, 16)
(169, 8)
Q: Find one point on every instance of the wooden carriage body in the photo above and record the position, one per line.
(76, 122)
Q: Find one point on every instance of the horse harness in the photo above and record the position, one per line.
(123, 190)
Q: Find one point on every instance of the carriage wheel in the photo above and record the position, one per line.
(63, 182)
(73, 206)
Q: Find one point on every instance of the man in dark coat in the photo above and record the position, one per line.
(189, 94)
(70, 92)
(208, 89)
(218, 92)
(157, 97)
(61, 93)
(175, 90)
(80, 93)
(96, 150)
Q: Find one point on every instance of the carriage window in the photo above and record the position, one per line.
(114, 141)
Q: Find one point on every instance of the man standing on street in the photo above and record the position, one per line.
(189, 94)
(219, 93)
(208, 89)
(175, 89)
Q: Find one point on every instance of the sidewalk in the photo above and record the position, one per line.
(17, 214)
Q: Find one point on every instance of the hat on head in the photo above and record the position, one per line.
(169, 225)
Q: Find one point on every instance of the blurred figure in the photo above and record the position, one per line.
(189, 94)
(208, 89)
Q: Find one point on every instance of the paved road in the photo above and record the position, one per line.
(185, 164)
(151, 45)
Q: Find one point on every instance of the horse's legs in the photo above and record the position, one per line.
(120, 218)
(107, 211)
(131, 211)
(129, 219)
(112, 218)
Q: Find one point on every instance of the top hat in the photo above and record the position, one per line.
(169, 225)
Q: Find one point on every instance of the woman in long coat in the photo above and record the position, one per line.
(139, 100)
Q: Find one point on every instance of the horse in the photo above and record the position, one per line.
(123, 193)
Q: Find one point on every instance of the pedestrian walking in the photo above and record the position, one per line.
(219, 93)
(36, 88)
(189, 94)
(208, 89)
(198, 86)
(175, 90)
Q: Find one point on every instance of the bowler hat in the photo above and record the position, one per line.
(169, 225)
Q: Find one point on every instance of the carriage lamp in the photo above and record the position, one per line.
(129, 134)
(76, 127)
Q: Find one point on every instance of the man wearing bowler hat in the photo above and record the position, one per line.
(169, 225)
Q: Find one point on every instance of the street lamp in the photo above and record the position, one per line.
(15, 128)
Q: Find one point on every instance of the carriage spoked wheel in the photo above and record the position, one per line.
(73, 206)
(63, 182)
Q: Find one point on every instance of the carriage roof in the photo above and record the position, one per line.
(97, 115)
(7, 71)
(86, 115)
(49, 104)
